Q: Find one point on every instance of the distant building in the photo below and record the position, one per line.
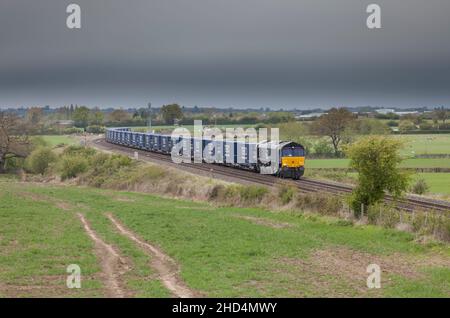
(309, 116)
(385, 111)
(407, 113)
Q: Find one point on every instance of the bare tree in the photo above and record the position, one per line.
(14, 140)
(333, 125)
(440, 114)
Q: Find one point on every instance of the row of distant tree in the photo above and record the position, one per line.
(83, 116)
(339, 125)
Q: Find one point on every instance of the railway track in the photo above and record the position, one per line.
(409, 204)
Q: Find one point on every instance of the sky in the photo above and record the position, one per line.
(225, 53)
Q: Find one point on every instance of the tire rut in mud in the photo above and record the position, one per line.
(166, 267)
(112, 264)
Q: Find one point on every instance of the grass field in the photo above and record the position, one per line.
(438, 182)
(426, 144)
(230, 252)
(57, 139)
(408, 163)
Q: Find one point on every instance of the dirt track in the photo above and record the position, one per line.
(113, 265)
(166, 267)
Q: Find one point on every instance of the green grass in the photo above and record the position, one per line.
(219, 253)
(438, 182)
(407, 163)
(38, 241)
(54, 140)
(426, 144)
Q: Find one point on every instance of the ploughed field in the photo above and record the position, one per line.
(139, 245)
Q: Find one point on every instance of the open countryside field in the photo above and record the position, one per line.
(54, 140)
(227, 251)
(407, 163)
(438, 182)
(426, 144)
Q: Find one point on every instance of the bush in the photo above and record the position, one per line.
(323, 149)
(14, 164)
(323, 203)
(240, 193)
(406, 125)
(95, 129)
(72, 166)
(39, 160)
(103, 166)
(392, 123)
(252, 193)
(420, 187)
(38, 141)
(217, 192)
(72, 130)
(82, 151)
(376, 159)
(286, 193)
(426, 126)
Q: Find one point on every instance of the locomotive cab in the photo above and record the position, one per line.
(292, 161)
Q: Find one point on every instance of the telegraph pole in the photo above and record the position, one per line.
(149, 117)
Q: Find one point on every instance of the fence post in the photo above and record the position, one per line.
(379, 217)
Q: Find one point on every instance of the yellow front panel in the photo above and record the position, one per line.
(292, 162)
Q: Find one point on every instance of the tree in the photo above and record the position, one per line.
(376, 159)
(35, 115)
(14, 140)
(333, 124)
(171, 112)
(81, 116)
(96, 117)
(368, 126)
(119, 115)
(440, 114)
(142, 113)
(406, 125)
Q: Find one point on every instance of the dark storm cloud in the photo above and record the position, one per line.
(281, 53)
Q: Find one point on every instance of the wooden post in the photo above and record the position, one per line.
(362, 211)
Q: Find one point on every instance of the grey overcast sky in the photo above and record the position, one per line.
(239, 53)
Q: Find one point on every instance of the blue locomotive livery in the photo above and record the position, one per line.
(285, 159)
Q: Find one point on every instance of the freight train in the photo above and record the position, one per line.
(285, 159)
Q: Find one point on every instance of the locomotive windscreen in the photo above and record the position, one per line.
(293, 152)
